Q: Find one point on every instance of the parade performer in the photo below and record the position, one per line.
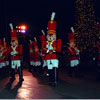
(36, 58)
(31, 60)
(7, 69)
(73, 54)
(15, 51)
(98, 68)
(51, 47)
(44, 63)
(2, 59)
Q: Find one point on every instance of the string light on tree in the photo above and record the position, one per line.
(86, 28)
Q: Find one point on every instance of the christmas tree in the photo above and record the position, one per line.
(86, 28)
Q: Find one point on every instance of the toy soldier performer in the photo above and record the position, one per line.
(98, 68)
(51, 47)
(31, 62)
(73, 55)
(7, 68)
(36, 58)
(44, 63)
(15, 51)
(2, 60)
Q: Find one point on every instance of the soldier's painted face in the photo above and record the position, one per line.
(14, 43)
(51, 37)
(72, 44)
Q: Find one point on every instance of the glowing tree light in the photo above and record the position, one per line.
(86, 28)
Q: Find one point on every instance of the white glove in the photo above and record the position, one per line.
(0, 55)
(13, 53)
(77, 52)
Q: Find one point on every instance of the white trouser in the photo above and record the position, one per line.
(74, 63)
(37, 63)
(15, 64)
(3, 64)
(32, 63)
(44, 63)
(52, 63)
(7, 63)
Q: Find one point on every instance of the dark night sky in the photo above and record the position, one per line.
(36, 14)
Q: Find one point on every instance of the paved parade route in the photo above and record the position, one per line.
(37, 88)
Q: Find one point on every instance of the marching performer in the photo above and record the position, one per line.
(73, 54)
(36, 58)
(51, 47)
(98, 69)
(15, 51)
(31, 60)
(44, 65)
(7, 69)
(2, 59)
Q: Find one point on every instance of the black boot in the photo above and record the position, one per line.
(12, 74)
(55, 76)
(70, 72)
(3, 72)
(30, 68)
(20, 74)
(98, 74)
(77, 71)
(7, 70)
(0, 73)
(50, 76)
(35, 71)
(40, 70)
(45, 71)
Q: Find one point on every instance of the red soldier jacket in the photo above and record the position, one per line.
(42, 38)
(72, 54)
(98, 46)
(34, 55)
(2, 57)
(52, 49)
(6, 53)
(18, 50)
(30, 51)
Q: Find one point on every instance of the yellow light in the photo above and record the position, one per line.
(23, 27)
(16, 26)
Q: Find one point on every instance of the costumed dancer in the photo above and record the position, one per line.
(73, 54)
(31, 55)
(98, 69)
(36, 58)
(15, 51)
(44, 63)
(2, 59)
(51, 48)
(7, 69)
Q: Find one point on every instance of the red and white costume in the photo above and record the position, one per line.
(52, 46)
(42, 38)
(2, 55)
(36, 54)
(15, 51)
(6, 53)
(98, 46)
(31, 53)
(73, 51)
